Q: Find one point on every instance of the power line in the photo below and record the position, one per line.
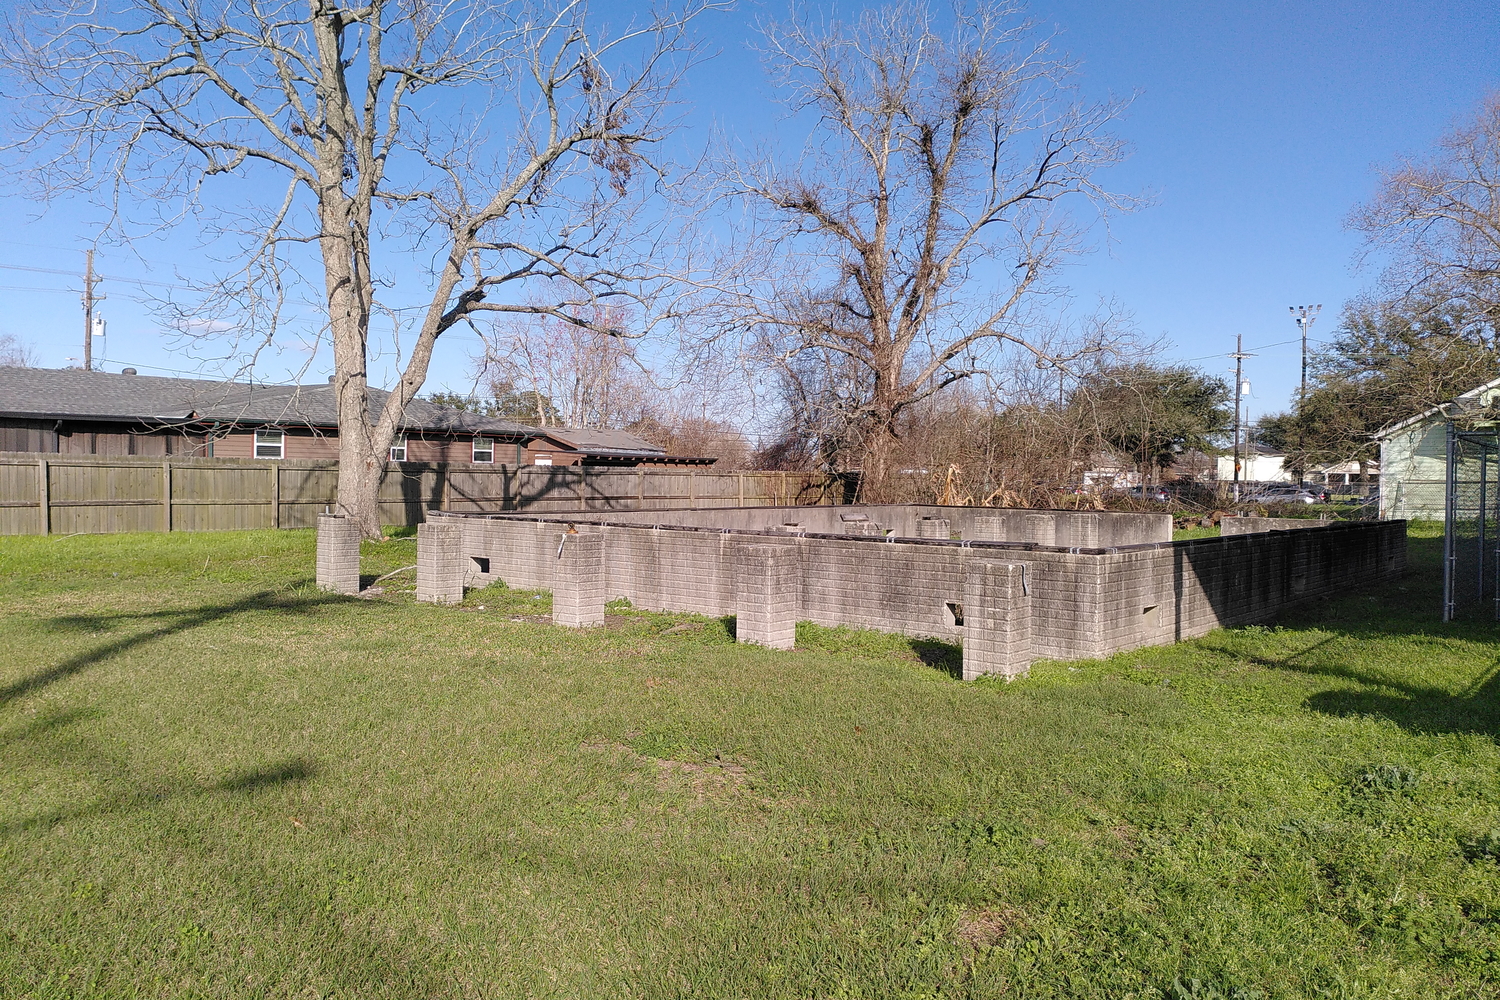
(40, 246)
(1263, 347)
(155, 368)
(105, 277)
(39, 270)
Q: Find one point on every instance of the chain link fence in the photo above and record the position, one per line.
(1471, 540)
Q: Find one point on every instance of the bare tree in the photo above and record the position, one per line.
(683, 432)
(17, 352)
(1440, 218)
(818, 395)
(580, 372)
(937, 162)
(475, 145)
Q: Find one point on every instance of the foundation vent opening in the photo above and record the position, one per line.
(954, 612)
(481, 563)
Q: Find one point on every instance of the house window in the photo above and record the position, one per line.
(398, 448)
(543, 460)
(484, 450)
(270, 444)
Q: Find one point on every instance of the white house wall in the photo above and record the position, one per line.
(1413, 469)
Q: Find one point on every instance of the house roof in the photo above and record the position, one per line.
(606, 447)
(72, 393)
(1461, 403)
(596, 441)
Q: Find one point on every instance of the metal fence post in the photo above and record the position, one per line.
(1484, 475)
(1450, 511)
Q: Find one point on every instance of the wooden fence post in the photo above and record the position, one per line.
(742, 489)
(166, 496)
(640, 489)
(44, 497)
(275, 495)
(693, 488)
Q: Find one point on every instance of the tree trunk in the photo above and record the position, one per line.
(359, 484)
(875, 481)
(361, 458)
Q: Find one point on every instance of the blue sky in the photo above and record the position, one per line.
(1257, 127)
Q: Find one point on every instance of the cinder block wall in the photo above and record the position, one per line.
(1088, 529)
(1254, 525)
(338, 554)
(1163, 594)
(1084, 604)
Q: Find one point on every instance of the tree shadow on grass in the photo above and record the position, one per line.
(1414, 707)
(297, 769)
(298, 904)
(172, 622)
(1419, 709)
(1409, 609)
(146, 795)
(289, 903)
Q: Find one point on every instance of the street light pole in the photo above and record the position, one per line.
(1303, 316)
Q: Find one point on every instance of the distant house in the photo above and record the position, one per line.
(1258, 464)
(1337, 474)
(75, 412)
(1414, 454)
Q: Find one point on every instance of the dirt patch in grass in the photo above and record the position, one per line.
(684, 627)
(982, 929)
(717, 780)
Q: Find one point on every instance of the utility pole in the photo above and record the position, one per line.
(89, 300)
(1303, 316)
(1239, 357)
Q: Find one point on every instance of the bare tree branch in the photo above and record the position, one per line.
(938, 161)
(381, 121)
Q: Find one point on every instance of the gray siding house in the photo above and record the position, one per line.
(1414, 454)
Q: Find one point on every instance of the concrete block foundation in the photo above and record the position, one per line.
(1008, 597)
(769, 595)
(578, 588)
(1041, 529)
(996, 620)
(338, 554)
(440, 562)
(1255, 525)
(934, 527)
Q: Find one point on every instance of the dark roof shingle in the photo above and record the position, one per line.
(595, 441)
(49, 393)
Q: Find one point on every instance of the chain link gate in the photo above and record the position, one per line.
(1471, 536)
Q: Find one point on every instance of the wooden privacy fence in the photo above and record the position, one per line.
(72, 494)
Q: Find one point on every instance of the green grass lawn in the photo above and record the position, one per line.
(220, 782)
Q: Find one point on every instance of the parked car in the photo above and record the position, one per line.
(1178, 492)
(1288, 495)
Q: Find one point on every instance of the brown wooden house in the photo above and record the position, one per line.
(70, 411)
